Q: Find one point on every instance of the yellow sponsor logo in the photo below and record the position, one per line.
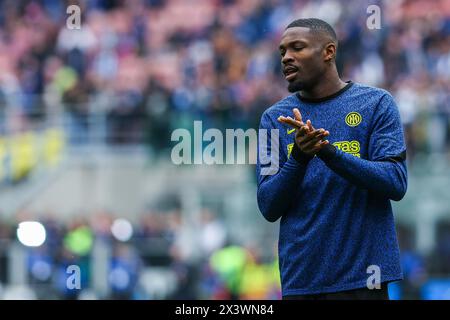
(353, 119)
(351, 147)
(289, 131)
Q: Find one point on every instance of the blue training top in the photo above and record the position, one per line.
(336, 215)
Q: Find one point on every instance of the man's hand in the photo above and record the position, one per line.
(308, 140)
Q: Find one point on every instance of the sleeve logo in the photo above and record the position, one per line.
(289, 149)
(353, 119)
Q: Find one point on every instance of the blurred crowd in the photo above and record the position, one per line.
(160, 257)
(149, 66)
(136, 70)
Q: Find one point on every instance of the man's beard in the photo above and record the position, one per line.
(295, 86)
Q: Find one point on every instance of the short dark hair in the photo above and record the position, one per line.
(316, 25)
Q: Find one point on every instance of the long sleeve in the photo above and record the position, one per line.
(275, 190)
(385, 171)
(386, 178)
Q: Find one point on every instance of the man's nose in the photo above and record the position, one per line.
(287, 58)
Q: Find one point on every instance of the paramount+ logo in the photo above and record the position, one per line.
(353, 119)
(351, 147)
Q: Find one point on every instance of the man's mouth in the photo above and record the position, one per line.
(290, 72)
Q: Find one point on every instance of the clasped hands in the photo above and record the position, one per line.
(308, 139)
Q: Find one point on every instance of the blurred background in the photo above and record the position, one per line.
(86, 118)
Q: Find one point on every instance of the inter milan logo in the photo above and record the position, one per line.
(353, 119)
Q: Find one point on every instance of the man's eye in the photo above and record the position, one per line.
(298, 48)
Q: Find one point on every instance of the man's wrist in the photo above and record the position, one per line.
(327, 152)
(299, 155)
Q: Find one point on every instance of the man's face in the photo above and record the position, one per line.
(302, 58)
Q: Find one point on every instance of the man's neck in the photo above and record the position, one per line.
(328, 86)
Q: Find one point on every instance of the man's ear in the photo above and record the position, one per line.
(329, 52)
